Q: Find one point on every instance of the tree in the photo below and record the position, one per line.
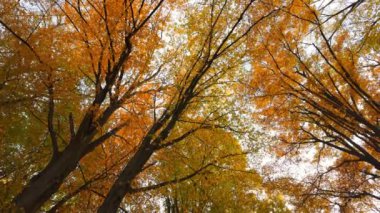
(203, 68)
(326, 97)
(72, 31)
(223, 183)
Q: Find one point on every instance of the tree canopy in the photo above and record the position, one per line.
(189, 106)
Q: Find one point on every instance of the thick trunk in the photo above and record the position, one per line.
(41, 187)
(121, 187)
(47, 182)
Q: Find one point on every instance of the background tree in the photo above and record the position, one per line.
(316, 86)
(225, 185)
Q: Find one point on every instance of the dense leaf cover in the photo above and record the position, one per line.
(189, 106)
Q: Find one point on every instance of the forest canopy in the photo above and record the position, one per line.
(189, 106)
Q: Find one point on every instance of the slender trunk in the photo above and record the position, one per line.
(168, 205)
(46, 183)
(122, 184)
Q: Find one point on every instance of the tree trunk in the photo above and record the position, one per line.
(122, 185)
(46, 183)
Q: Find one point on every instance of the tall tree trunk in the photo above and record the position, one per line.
(122, 185)
(46, 183)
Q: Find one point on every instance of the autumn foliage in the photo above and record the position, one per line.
(189, 106)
